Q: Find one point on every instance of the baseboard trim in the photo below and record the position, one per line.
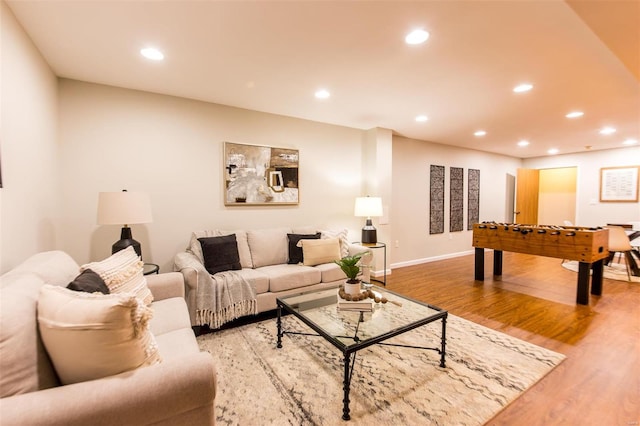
(430, 259)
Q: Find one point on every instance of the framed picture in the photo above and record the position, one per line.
(619, 184)
(260, 175)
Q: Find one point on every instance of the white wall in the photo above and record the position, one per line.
(171, 148)
(589, 210)
(410, 212)
(28, 149)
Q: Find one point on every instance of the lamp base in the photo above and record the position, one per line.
(125, 241)
(369, 233)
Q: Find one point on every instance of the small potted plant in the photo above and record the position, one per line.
(351, 268)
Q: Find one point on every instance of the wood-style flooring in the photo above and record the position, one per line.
(534, 300)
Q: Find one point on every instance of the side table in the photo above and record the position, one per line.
(150, 268)
(374, 246)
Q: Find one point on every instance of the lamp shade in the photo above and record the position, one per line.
(123, 208)
(368, 207)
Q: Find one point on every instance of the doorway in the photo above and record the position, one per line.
(546, 196)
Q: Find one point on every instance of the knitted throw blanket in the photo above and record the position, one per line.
(225, 297)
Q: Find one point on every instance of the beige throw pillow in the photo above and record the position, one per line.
(91, 335)
(317, 252)
(122, 272)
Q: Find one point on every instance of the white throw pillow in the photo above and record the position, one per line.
(91, 335)
(317, 252)
(340, 234)
(122, 272)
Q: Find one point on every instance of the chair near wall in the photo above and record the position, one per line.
(619, 243)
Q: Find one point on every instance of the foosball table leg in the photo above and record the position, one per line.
(596, 277)
(582, 296)
(479, 270)
(497, 262)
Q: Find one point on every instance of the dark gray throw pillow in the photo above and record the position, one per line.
(295, 252)
(220, 253)
(89, 282)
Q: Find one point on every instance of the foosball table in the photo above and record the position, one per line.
(588, 246)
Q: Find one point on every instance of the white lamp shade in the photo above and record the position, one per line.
(123, 208)
(368, 207)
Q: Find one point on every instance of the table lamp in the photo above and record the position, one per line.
(124, 208)
(368, 207)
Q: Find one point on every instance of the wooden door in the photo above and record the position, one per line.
(527, 185)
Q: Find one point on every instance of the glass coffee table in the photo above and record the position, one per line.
(351, 331)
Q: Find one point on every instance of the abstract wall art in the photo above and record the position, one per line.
(456, 199)
(473, 198)
(436, 200)
(260, 175)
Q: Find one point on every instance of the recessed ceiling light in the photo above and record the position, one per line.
(523, 143)
(480, 133)
(607, 131)
(416, 37)
(152, 53)
(524, 87)
(553, 151)
(421, 118)
(323, 94)
(630, 142)
(575, 114)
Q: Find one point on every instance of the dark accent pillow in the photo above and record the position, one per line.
(90, 282)
(220, 253)
(295, 252)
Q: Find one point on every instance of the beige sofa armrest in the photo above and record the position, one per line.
(166, 286)
(179, 391)
(190, 267)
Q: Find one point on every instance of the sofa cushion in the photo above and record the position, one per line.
(89, 335)
(169, 315)
(24, 363)
(256, 278)
(51, 267)
(122, 272)
(331, 272)
(340, 234)
(177, 344)
(321, 251)
(89, 282)
(295, 253)
(268, 246)
(286, 277)
(220, 253)
(241, 239)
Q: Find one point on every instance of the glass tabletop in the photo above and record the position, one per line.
(352, 329)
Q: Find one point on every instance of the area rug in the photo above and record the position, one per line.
(301, 383)
(615, 271)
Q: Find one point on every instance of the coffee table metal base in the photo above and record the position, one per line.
(350, 354)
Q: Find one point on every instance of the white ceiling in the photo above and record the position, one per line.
(272, 56)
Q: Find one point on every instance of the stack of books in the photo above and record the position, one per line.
(365, 305)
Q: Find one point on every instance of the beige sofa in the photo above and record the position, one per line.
(179, 390)
(264, 255)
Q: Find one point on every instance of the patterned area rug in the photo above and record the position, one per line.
(301, 384)
(615, 271)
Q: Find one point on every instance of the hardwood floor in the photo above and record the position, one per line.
(598, 383)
